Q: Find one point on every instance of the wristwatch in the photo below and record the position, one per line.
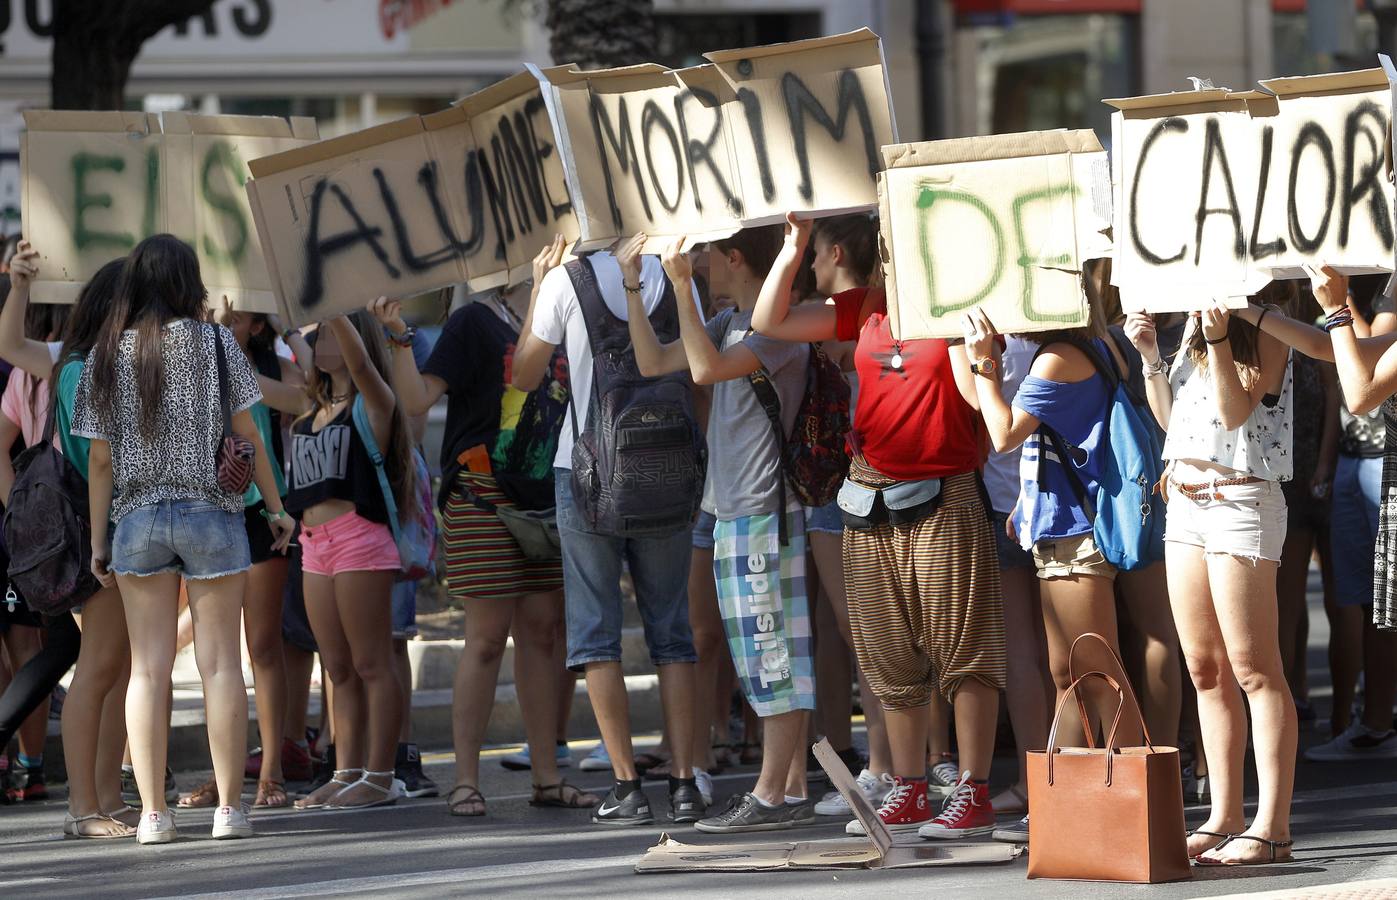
(986, 366)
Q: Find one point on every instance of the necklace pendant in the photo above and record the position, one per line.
(896, 361)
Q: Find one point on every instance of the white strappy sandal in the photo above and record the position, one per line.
(335, 778)
(394, 792)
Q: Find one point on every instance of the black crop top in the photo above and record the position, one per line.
(332, 464)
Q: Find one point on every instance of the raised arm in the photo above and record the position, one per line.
(707, 363)
(1308, 339)
(416, 392)
(773, 315)
(300, 348)
(379, 399)
(651, 357)
(1236, 400)
(1367, 369)
(1008, 426)
(1139, 328)
(531, 353)
(16, 349)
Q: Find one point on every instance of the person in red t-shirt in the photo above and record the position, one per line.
(919, 554)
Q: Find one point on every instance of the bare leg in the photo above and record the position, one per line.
(1145, 594)
(344, 711)
(677, 698)
(1222, 722)
(1348, 625)
(103, 665)
(487, 627)
(907, 736)
(23, 643)
(710, 645)
(266, 583)
(536, 618)
(834, 676)
(1245, 601)
(402, 671)
(1072, 607)
(606, 687)
(216, 605)
(1028, 683)
(939, 745)
(782, 738)
(1292, 582)
(151, 604)
(300, 666)
(365, 606)
(111, 739)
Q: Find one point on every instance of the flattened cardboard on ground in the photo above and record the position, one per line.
(707, 150)
(203, 176)
(90, 189)
(877, 851)
(1003, 223)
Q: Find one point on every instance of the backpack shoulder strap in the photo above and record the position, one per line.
(760, 380)
(665, 317)
(366, 434)
(1079, 488)
(222, 380)
(589, 300)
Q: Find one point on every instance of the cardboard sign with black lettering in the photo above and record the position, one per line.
(738, 142)
(97, 183)
(468, 194)
(1218, 192)
(1003, 223)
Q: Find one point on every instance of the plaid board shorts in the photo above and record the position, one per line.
(766, 613)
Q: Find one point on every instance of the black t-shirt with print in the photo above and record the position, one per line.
(472, 357)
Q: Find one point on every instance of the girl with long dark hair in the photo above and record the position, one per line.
(150, 402)
(94, 718)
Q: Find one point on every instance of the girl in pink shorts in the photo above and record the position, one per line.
(348, 554)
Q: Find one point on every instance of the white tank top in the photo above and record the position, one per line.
(1261, 447)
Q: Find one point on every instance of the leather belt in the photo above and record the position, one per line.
(1208, 490)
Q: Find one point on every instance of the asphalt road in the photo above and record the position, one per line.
(1345, 829)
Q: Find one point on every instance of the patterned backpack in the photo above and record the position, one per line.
(814, 458)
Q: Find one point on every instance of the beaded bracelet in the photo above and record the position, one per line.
(1338, 318)
(633, 288)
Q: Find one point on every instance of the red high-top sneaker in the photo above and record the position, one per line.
(967, 813)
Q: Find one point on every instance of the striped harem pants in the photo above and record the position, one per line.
(925, 603)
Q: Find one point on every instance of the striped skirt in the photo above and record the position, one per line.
(925, 603)
(483, 561)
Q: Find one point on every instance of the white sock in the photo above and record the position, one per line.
(766, 805)
(794, 801)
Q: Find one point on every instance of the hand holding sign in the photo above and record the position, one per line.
(1215, 320)
(1330, 287)
(979, 335)
(1139, 329)
(549, 258)
(389, 313)
(798, 230)
(676, 261)
(628, 258)
(24, 266)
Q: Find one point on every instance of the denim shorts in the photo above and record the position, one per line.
(826, 519)
(703, 530)
(192, 537)
(1353, 527)
(404, 610)
(592, 563)
(1011, 555)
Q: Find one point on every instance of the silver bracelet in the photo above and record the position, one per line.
(1153, 369)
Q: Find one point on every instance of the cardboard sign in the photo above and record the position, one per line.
(1218, 192)
(1003, 223)
(96, 183)
(739, 142)
(876, 851)
(468, 194)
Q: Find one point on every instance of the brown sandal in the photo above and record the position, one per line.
(563, 796)
(473, 800)
(202, 797)
(271, 795)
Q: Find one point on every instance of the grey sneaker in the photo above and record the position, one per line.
(230, 822)
(1016, 833)
(802, 813)
(131, 795)
(746, 813)
(944, 778)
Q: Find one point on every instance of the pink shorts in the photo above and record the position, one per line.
(348, 543)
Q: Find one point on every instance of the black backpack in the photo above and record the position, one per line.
(48, 530)
(638, 466)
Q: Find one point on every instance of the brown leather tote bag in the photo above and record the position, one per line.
(1105, 813)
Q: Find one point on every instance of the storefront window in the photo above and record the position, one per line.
(1294, 55)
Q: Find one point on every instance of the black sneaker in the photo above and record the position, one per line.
(746, 813)
(1016, 833)
(632, 809)
(685, 801)
(408, 769)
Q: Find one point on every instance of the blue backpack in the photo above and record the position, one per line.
(1127, 513)
(416, 536)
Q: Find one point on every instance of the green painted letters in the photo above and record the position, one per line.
(84, 237)
(222, 156)
(927, 197)
(1026, 262)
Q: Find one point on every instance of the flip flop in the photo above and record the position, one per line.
(205, 796)
(1225, 839)
(472, 795)
(1204, 860)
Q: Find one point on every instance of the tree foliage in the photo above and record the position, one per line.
(96, 41)
(600, 34)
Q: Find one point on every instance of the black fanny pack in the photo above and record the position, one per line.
(897, 504)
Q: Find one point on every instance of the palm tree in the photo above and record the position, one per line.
(600, 34)
(95, 42)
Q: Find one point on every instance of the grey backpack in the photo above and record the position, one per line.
(638, 465)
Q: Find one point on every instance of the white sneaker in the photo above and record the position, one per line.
(230, 822)
(597, 761)
(834, 803)
(156, 827)
(1356, 742)
(705, 786)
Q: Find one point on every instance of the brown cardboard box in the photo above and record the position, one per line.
(877, 851)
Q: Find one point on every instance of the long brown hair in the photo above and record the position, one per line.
(159, 283)
(398, 455)
(1243, 337)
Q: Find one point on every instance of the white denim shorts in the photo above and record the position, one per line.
(1248, 522)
